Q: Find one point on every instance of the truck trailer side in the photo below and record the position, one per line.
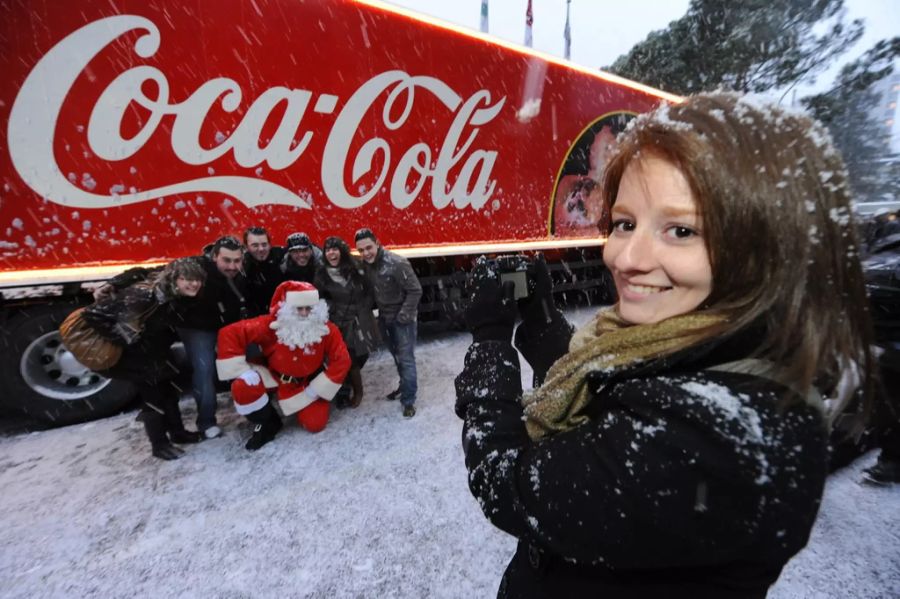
(134, 133)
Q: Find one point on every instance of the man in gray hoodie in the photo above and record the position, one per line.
(397, 294)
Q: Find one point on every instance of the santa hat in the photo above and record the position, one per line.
(249, 393)
(294, 293)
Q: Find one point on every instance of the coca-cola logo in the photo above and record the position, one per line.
(35, 112)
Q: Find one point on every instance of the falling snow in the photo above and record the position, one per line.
(87, 181)
(374, 506)
(530, 109)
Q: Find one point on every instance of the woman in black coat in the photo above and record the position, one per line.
(677, 446)
(141, 317)
(350, 302)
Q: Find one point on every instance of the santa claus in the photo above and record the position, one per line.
(306, 360)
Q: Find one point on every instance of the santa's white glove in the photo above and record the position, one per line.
(251, 377)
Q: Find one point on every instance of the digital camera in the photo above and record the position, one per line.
(515, 268)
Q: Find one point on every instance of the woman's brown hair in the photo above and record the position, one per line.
(188, 268)
(348, 265)
(773, 195)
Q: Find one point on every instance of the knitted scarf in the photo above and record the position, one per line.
(607, 344)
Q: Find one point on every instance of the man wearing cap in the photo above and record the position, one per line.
(220, 302)
(397, 294)
(306, 360)
(262, 267)
(301, 259)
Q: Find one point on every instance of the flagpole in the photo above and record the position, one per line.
(484, 16)
(529, 19)
(567, 33)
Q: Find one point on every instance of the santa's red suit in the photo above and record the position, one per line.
(295, 348)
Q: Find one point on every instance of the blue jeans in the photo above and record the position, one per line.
(200, 347)
(401, 342)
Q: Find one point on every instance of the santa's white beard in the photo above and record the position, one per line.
(297, 332)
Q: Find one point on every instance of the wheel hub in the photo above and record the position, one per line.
(48, 368)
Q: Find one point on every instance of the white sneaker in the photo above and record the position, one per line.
(212, 432)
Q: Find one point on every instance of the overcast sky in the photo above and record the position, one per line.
(602, 30)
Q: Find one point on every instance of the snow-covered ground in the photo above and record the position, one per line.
(375, 506)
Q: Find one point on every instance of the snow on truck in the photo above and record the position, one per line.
(134, 133)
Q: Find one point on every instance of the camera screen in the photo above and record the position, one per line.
(520, 279)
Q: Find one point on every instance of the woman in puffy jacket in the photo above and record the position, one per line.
(141, 318)
(677, 446)
(350, 301)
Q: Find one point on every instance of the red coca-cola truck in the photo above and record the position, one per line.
(137, 132)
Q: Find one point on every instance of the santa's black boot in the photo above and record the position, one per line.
(342, 398)
(155, 425)
(266, 424)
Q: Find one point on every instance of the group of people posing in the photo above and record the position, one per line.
(298, 319)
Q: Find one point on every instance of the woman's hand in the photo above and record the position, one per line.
(544, 335)
(538, 309)
(491, 314)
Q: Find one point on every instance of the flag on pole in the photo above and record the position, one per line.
(484, 16)
(567, 33)
(529, 19)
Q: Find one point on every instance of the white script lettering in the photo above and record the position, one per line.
(35, 112)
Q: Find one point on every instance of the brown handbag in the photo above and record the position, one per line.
(86, 344)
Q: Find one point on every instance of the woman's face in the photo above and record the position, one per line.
(188, 287)
(655, 251)
(333, 256)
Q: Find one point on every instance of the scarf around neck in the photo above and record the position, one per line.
(335, 273)
(607, 344)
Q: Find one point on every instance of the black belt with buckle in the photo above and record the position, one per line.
(292, 380)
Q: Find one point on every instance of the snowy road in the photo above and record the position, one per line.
(375, 506)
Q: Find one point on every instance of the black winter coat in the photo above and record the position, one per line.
(350, 308)
(262, 279)
(686, 482)
(291, 271)
(147, 355)
(219, 302)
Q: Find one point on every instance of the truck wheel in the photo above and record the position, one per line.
(43, 380)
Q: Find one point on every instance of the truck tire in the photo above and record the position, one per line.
(44, 381)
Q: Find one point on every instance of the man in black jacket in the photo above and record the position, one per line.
(220, 302)
(262, 267)
(302, 259)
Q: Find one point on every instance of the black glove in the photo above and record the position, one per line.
(538, 308)
(544, 335)
(490, 373)
(491, 314)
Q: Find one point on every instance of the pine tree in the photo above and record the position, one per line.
(760, 45)
(847, 110)
(746, 46)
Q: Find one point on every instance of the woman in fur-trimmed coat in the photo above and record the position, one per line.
(140, 317)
